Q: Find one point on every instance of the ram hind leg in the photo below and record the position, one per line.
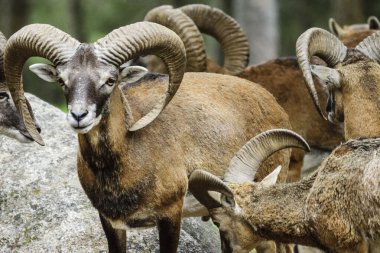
(116, 238)
(295, 165)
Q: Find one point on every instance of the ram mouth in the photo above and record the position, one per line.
(83, 129)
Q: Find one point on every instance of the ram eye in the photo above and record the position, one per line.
(4, 96)
(110, 81)
(61, 82)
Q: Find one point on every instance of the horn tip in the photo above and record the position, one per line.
(39, 140)
(306, 146)
(302, 142)
(41, 143)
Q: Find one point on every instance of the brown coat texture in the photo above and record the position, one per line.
(283, 78)
(359, 92)
(335, 209)
(138, 177)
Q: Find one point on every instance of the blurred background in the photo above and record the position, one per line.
(272, 26)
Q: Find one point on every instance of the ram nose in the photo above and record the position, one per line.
(78, 111)
(81, 117)
(78, 115)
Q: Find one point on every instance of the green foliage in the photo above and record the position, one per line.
(99, 17)
(296, 16)
(53, 12)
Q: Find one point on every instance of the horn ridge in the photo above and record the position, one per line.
(370, 46)
(318, 42)
(131, 41)
(226, 31)
(247, 160)
(34, 40)
(185, 28)
(201, 182)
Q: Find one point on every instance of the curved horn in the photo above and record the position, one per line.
(182, 25)
(373, 23)
(318, 42)
(201, 182)
(34, 40)
(131, 41)
(246, 162)
(3, 42)
(227, 32)
(371, 46)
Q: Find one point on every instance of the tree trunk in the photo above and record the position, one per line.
(14, 15)
(348, 11)
(259, 20)
(77, 19)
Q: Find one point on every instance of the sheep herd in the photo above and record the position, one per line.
(174, 135)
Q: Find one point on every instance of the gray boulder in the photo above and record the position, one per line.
(43, 207)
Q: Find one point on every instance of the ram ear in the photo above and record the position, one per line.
(335, 28)
(46, 72)
(329, 77)
(373, 23)
(271, 179)
(130, 74)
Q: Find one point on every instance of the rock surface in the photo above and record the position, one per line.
(44, 209)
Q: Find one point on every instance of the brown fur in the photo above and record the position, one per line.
(352, 39)
(359, 103)
(336, 209)
(213, 67)
(277, 76)
(283, 78)
(140, 177)
(142, 98)
(295, 165)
